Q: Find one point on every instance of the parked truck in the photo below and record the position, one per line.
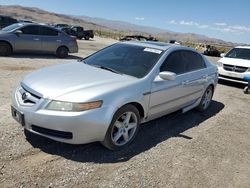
(6, 21)
(78, 32)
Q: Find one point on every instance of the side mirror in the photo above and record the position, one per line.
(222, 54)
(165, 76)
(18, 32)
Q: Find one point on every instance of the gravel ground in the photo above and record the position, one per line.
(178, 150)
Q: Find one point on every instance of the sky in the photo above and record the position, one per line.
(223, 19)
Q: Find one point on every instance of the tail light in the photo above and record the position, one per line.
(74, 38)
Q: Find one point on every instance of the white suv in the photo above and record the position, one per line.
(235, 65)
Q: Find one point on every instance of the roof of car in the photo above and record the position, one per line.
(158, 45)
(246, 47)
(150, 44)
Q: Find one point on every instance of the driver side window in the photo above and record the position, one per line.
(30, 30)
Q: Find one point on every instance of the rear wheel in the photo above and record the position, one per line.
(206, 99)
(246, 90)
(62, 52)
(5, 49)
(86, 37)
(123, 128)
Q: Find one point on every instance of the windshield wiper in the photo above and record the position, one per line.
(107, 68)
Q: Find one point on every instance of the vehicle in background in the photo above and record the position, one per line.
(211, 51)
(235, 65)
(173, 41)
(106, 96)
(6, 21)
(25, 21)
(138, 38)
(60, 25)
(78, 32)
(208, 50)
(37, 38)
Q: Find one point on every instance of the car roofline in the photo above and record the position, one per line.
(243, 47)
(158, 45)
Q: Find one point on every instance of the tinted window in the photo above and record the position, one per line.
(127, 59)
(174, 63)
(48, 32)
(193, 60)
(183, 61)
(30, 30)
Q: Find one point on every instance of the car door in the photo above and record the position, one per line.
(29, 40)
(168, 96)
(195, 77)
(51, 39)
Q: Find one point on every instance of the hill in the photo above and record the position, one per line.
(110, 28)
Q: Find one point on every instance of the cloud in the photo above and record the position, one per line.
(219, 26)
(190, 23)
(172, 22)
(139, 18)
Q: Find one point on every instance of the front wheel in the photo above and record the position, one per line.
(123, 128)
(206, 99)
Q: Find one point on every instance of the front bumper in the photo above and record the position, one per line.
(69, 127)
(233, 76)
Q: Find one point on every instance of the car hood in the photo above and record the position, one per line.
(235, 61)
(55, 81)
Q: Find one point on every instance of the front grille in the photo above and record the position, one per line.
(234, 68)
(26, 97)
(54, 133)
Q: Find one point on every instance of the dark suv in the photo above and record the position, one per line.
(6, 21)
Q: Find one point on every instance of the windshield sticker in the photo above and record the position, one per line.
(152, 50)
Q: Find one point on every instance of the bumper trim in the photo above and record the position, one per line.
(50, 132)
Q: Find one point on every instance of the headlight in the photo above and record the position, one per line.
(219, 64)
(72, 107)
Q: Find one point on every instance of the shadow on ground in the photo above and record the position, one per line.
(41, 56)
(232, 84)
(150, 134)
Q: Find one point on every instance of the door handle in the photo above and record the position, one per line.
(185, 82)
(36, 39)
(58, 41)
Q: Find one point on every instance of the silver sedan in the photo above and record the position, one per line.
(38, 38)
(106, 96)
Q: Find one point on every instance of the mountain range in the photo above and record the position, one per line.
(39, 15)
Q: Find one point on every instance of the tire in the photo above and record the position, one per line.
(246, 90)
(206, 99)
(86, 37)
(62, 52)
(5, 49)
(123, 128)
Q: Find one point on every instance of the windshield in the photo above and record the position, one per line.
(11, 27)
(126, 59)
(240, 53)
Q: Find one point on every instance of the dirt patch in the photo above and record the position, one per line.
(210, 149)
(10, 68)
